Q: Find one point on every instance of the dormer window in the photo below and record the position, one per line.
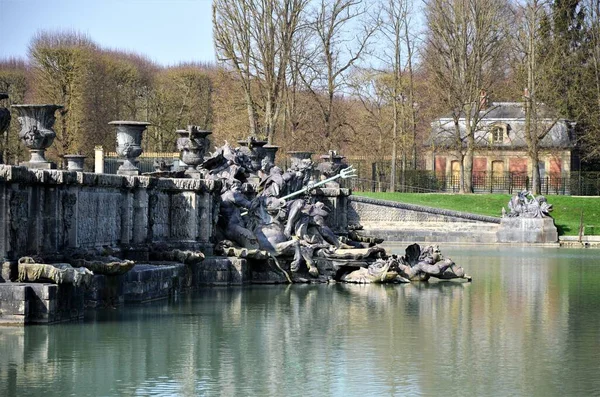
(498, 132)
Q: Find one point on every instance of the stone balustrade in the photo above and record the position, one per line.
(49, 211)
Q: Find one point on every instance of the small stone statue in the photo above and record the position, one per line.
(526, 205)
(58, 273)
(420, 265)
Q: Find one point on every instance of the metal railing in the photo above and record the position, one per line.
(145, 162)
(415, 181)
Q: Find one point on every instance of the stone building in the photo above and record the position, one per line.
(501, 147)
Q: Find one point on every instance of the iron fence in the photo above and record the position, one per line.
(375, 176)
(145, 162)
(418, 181)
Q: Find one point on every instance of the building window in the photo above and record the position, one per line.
(497, 134)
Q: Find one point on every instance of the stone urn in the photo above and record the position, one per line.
(129, 144)
(299, 157)
(4, 119)
(271, 152)
(36, 132)
(75, 162)
(332, 165)
(192, 144)
(254, 149)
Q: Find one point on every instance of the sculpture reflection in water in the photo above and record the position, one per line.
(280, 218)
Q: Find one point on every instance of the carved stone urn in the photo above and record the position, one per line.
(332, 165)
(270, 152)
(4, 119)
(254, 149)
(299, 157)
(192, 143)
(36, 132)
(75, 162)
(129, 144)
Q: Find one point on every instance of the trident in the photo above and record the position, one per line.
(346, 173)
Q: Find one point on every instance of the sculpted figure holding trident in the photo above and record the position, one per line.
(304, 221)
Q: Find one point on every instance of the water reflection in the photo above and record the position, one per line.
(527, 325)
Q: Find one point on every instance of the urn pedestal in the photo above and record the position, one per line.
(36, 132)
(192, 144)
(75, 162)
(129, 144)
(527, 230)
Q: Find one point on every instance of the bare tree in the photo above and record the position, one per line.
(372, 89)
(255, 37)
(333, 51)
(61, 62)
(589, 89)
(397, 54)
(13, 81)
(465, 43)
(538, 122)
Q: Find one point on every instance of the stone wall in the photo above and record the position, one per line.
(396, 221)
(49, 211)
(527, 230)
(336, 199)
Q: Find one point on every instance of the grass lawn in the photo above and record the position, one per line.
(566, 214)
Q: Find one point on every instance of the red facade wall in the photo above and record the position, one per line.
(440, 165)
(479, 170)
(479, 164)
(555, 166)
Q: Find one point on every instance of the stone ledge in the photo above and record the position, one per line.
(331, 192)
(19, 174)
(39, 303)
(584, 239)
(432, 235)
(420, 208)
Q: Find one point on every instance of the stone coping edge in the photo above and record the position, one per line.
(420, 208)
(20, 174)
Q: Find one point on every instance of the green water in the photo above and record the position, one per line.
(528, 324)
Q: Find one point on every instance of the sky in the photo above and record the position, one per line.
(166, 31)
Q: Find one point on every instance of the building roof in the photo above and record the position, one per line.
(511, 115)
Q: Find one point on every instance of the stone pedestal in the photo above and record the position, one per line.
(99, 160)
(39, 303)
(527, 230)
(75, 162)
(337, 201)
(39, 166)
